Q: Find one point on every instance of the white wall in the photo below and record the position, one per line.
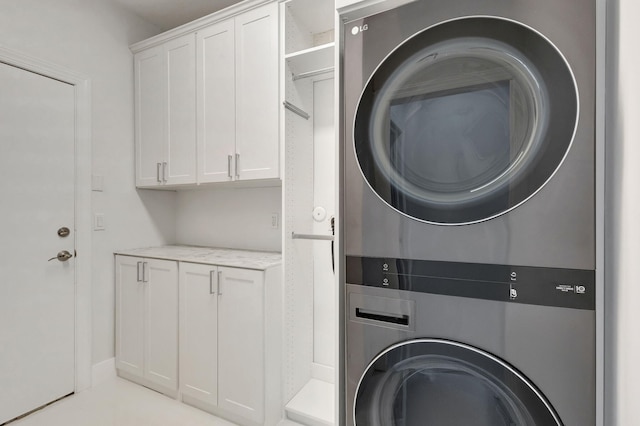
(324, 287)
(230, 217)
(91, 37)
(623, 208)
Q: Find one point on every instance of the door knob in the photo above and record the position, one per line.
(62, 256)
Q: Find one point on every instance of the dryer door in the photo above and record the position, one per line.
(465, 120)
(434, 382)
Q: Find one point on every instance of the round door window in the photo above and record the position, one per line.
(466, 120)
(433, 382)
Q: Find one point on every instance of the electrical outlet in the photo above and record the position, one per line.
(97, 183)
(275, 220)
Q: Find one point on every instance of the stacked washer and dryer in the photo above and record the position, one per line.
(469, 193)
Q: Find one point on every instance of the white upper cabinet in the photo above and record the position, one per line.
(212, 92)
(181, 111)
(150, 115)
(238, 98)
(216, 102)
(257, 142)
(165, 113)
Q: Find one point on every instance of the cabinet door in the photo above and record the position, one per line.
(241, 343)
(199, 332)
(150, 115)
(161, 323)
(257, 142)
(216, 102)
(180, 159)
(129, 315)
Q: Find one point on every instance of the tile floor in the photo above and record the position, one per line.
(118, 402)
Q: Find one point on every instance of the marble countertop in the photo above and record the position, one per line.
(248, 259)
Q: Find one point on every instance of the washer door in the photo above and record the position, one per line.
(466, 120)
(434, 382)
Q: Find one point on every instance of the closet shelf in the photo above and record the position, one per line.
(312, 15)
(309, 61)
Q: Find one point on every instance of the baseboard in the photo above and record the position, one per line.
(314, 405)
(103, 371)
(323, 372)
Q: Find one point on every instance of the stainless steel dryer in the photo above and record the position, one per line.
(468, 140)
(469, 132)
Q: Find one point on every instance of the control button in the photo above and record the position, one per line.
(385, 282)
(385, 267)
(513, 293)
(565, 288)
(514, 276)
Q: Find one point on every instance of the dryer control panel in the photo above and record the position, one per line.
(569, 288)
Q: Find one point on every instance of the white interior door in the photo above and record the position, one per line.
(37, 117)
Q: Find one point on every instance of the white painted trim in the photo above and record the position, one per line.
(362, 8)
(323, 372)
(339, 256)
(198, 24)
(103, 371)
(82, 85)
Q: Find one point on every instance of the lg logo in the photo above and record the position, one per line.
(359, 28)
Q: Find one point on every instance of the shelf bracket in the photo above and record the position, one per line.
(291, 107)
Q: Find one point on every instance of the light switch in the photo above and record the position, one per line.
(98, 222)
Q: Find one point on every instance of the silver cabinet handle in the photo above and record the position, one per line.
(145, 272)
(237, 165)
(158, 172)
(139, 271)
(164, 171)
(219, 283)
(229, 157)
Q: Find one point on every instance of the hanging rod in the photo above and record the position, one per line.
(312, 73)
(311, 237)
(291, 107)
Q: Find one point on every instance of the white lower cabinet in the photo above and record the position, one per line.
(222, 340)
(241, 349)
(210, 335)
(199, 332)
(147, 321)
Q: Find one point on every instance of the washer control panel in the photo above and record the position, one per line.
(569, 288)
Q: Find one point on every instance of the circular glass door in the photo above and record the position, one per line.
(465, 120)
(430, 382)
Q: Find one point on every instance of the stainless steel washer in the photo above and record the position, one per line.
(457, 344)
